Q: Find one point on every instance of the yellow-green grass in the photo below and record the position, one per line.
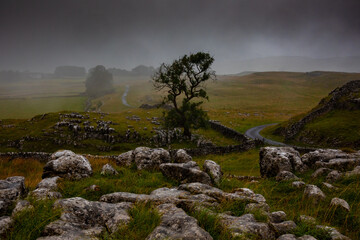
(28, 107)
(242, 164)
(338, 128)
(281, 196)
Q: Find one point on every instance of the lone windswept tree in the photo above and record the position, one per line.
(99, 82)
(184, 82)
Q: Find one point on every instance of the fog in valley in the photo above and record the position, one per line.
(246, 35)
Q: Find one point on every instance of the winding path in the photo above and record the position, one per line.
(127, 88)
(254, 133)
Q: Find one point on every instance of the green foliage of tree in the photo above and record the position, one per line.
(184, 82)
(99, 82)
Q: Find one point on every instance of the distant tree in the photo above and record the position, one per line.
(99, 82)
(184, 82)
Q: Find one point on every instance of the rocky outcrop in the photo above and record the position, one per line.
(181, 156)
(313, 193)
(276, 159)
(213, 170)
(246, 224)
(81, 218)
(150, 158)
(125, 159)
(67, 164)
(11, 190)
(21, 205)
(340, 203)
(285, 176)
(176, 224)
(5, 224)
(47, 189)
(185, 172)
(340, 98)
(108, 170)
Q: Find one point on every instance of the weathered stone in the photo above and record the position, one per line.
(176, 224)
(262, 208)
(181, 156)
(147, 158)
(69, 165)
(341, 164)
(306, 237)
(329, 186)
(181, 172)
(277, 217)
(118, 197)
(45, 193)
(200, 188)
(314, 193)
(283, 227)
(5, 224)
(4, 205)
(320, 172)
(354, 172)
(334, 234)
(49, 183)
(12, 188)
(287, 237)
(286, 176)
(298, 184)
(245, 194)
(169, 194)
(21, 206)
(334, 176)
(324, 155)
(276, 159)
(107, 169)
(125, 159)
(307, 219)
(214, 171)
(246, 224)
(340, 203)
(81, 218)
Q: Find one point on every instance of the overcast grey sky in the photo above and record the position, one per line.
(42, 34)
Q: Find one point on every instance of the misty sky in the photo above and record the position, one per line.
(39, 35)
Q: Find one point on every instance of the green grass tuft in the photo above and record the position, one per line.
(30, 223)
(144, 219)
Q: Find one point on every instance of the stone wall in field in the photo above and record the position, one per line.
(228, 132)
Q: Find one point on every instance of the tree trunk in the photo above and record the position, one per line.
(187, 132)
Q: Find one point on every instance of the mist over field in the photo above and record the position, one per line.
(247, 35)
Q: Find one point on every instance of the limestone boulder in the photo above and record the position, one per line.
(325, 155)
(276, 159)
(68, 165)
(176, 224)
(277, 217)
(340, 203)
(125, 159)
(246, 224)
(298, 184)
(5, 224)
(334, 176)
(150, 158)
(108, 170)
(185, 172)
(213, 170)
(354, 172)
(313, 193)
(49, 183)
(181, 156)
(286, 176)
(20, 206)
(81, 219)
